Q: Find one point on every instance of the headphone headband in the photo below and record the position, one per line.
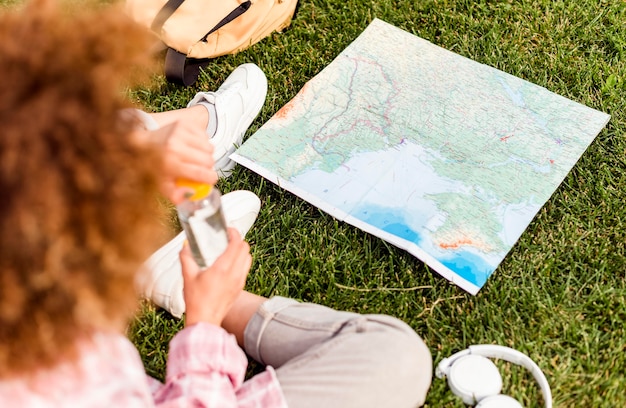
(502, 353)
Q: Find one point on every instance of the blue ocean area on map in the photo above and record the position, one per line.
(469, 266)
(391, 222)
(466, 264)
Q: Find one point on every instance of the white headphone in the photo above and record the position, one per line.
(476, 379)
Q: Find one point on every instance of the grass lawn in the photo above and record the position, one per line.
(560, 294)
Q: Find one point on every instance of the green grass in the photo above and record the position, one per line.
(560, 294)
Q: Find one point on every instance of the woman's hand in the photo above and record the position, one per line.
(187, 154)
(210, 293)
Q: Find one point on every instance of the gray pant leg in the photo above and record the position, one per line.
(326, 358)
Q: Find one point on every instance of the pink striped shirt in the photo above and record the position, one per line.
(205, 368)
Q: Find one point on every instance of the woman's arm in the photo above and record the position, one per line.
(206, 367)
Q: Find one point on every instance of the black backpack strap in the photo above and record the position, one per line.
(178, 68)
(166, 11)
(182, 70)
(239, 10)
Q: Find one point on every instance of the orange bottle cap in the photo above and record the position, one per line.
(201, 190)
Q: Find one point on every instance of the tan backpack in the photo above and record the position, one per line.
(195, 30)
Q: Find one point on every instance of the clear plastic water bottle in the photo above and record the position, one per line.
(203, 221)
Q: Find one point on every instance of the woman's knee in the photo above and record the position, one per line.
(371, 361)
(404, 358)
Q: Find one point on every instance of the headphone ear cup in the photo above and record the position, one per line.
(499, 401)
(473, 378)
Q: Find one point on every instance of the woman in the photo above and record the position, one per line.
(77, 218)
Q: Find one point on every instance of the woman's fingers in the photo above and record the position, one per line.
(210, 292)
(189, 266)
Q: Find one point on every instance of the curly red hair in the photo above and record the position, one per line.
(79, 197)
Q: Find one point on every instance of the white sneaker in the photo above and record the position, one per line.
(161, 278)
(237, 102)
